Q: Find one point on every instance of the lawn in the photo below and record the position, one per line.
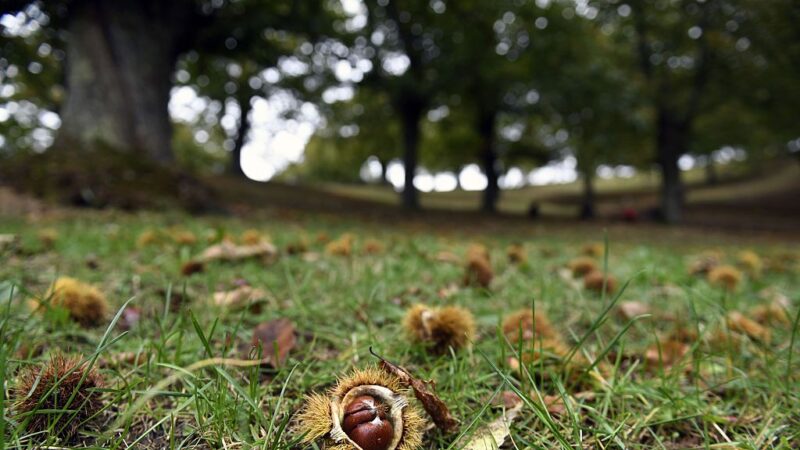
(664, 361)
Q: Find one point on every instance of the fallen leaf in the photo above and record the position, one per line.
(274, 339)
(124, 358)
(447, 257)
(228, 251)
(239, 297)
(8, 240)
(741, 324)
(448, 291)
(311, 257)
(493, 435)
(435, 407)
(666, 353)
(192, 267)
(629, 310)
(130, 318)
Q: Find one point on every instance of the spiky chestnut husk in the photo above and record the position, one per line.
(478, 272)
(481, 251)
(705, 262)
(581, 265)
(48, 237)
(531, 326)
(148, 237)
(516, 254)
(441, 328)
(252, 237)
(49, 387)
(84, 302)
(727, 277)
(373, 247)
(750, 262)
(182, 237)
(595, 249)
(343, 246)
(322, 416)
(593, 281)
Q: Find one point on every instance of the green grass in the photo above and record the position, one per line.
(743, 394)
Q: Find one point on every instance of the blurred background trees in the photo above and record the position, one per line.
(403, 92)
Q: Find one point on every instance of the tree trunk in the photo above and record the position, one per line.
(670, 146)
(243, 128)
(588, 200)
(488, 157)
(711, 172)
(412, 114)
(120, 57)
(384, 171)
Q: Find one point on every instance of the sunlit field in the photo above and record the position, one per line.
(693, 345)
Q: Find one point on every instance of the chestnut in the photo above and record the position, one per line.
(366, 424)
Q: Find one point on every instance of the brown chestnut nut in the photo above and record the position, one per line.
(366, 425)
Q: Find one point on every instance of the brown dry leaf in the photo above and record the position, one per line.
(666, 354)
(492, 436)
(8, 240)
(741, 324)
(239, 297)
(276, 338)
(190, 268)
(629, 310)
(435, 407)
(124, 358)
(553, 403)
(447, 257)
(130, 318)
(228, 251)
(311, 257)
(771, 314)
(448, 291)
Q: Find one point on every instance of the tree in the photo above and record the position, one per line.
(121, 56)
(408, 44)
(676, 49)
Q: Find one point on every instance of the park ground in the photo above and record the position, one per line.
(668, 360)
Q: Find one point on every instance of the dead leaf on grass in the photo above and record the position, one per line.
(240, 297)
(493, 435)
(228, 251)
(666, 354)
(629, 310)
(275, 339)
(423, 390)
(739, 323)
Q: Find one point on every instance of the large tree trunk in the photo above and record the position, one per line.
(243, 128)
(488, 156)
(120, 57)
(670, 146)
(411, 114)
(588, 200)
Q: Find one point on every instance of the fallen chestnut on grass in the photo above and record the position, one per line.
(368, 410)
(365, 422)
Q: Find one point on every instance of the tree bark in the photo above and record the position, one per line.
(712, 177)
(588, 200)
(384, 171)
(411, 114)
(670, 146)
(120, 57)
(488, 156)
(243, 128)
